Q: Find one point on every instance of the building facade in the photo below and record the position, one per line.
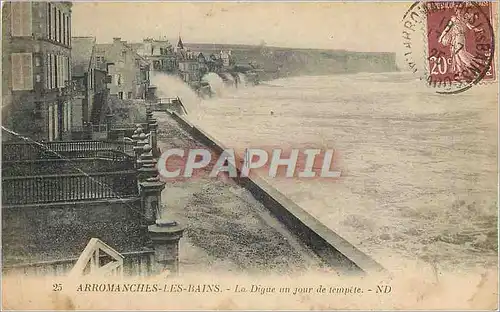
(89, 81)
(189, 67)
(160, 55)
(128, 70)
(83, 65)
(36, 83)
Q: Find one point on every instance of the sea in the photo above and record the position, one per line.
(419, 169)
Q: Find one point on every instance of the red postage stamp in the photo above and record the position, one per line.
(460, 43)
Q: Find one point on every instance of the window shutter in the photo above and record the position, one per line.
(65, 71)
(69, 115)
(63, 67)
(67, 26)
(54, 74)
(51, 84)
(56, 71)
(51, 120)
(56, 122)
(58, 62)
(48, 21)
(15, 12)
(63, 28)
(62, 71)
(47, 73)
(65, 61)
(53, 35)
(57, 25)
(17, 75)
(27, 20)
(27, 71)
(65, 116)
(59, 76)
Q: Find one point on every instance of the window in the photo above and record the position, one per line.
(124, 53)
(69, 68)
(37, 61)
(65, 114)
(69, 30)
(60, 26)
(120, 95)
(53, 76)
(56, 122)
(66, 76)
(49, 20)
(69, 116)
(22, 71)
(64, 28)
(51, 123)
(21, 19)
(47, 72)
(61, 72)
(130, 95)
(56, 71)
(68, 34)
(54, 26)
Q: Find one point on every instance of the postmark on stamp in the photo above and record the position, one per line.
(459, 43)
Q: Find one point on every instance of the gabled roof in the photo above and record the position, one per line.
(180, 45)
(81, 54)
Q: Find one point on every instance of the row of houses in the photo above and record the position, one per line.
(54, 83)
(178, 60)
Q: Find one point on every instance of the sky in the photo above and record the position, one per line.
(352, 26)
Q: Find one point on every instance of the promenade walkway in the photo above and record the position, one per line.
(227, 228)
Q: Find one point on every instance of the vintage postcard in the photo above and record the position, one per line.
(249, 155)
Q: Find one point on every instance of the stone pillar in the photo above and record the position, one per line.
(153, 126)
(165, 236)
(139, 149)
(149, 114)
(147, 164)
(150, 188)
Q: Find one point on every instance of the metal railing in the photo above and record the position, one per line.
(17, 151)
(23, 190)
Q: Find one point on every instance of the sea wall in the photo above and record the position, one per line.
(329, 246)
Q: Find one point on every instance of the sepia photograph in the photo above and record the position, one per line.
(197, 155)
